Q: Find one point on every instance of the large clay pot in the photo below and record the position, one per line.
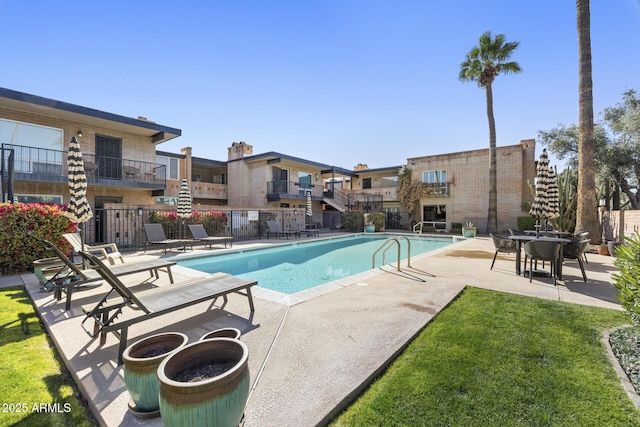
(222, 333)
(209, 400)
(141, 361)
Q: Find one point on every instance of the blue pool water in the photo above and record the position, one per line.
(297, 267)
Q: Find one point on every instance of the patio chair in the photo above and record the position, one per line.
(71, 275)
(576, 250)
(542, 250)
(200, 234)
(155, 236)
(107, 251)
(583, 235)
(294, 226)
(502, 245)
(152, 303)
(274, 228)
(516, 232)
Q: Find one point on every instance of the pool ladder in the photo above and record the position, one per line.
(387, 245)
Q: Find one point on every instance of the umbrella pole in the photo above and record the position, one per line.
(81, 233)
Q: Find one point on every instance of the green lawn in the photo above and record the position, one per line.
(35, 388)
(494, 359)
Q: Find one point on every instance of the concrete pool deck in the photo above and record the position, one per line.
(308, 359)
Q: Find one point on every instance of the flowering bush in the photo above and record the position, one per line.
(23, 227)
(215, 222)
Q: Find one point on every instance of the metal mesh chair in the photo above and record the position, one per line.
(503, 245)
(542, 250)
(576, 250)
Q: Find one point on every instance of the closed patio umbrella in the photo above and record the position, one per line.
(540, 208)
(78, 209)
(309, 211)
(553, 195)
(184, 204)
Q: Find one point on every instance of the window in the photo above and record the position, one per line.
(304, 179)
(436, 181)
(33, 198)
(434, 177)
(166, 200)
(171, 164)
(38, 148)
(366, 183)
(28, 135)
(389, 181)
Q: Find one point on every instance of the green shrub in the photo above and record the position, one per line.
(24, 226)
(526, 223)
(627, 279)
(353, 221)
(376, 219)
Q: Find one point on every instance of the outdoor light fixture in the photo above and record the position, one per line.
(79, 134)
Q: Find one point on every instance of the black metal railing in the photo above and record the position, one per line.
(125, 226)
(440, 189)
(41, 164)
(293, 189)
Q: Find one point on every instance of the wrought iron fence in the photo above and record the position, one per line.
(125, 226)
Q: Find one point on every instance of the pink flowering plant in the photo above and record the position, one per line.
(23, 227)
(214, 221)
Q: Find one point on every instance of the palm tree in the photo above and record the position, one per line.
(483, 64)
(587, 215)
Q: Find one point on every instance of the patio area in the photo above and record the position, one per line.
(309, 359)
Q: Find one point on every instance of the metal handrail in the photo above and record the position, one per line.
(386, 245)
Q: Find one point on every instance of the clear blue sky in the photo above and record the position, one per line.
(334, 81)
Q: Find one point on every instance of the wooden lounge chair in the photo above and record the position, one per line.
(154, 302)
(200, 234)
(274, 228)
(155, 236)
(68, 277)
(112, 254)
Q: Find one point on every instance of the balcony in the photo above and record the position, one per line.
(437, 189)
(208, 190)
(44, 165)
(278, 190)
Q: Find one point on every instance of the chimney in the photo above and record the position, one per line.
(360, 167)
(239, 149)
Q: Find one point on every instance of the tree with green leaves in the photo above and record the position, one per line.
(484, 62)
(617, 151)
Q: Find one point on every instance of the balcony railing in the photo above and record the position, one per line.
(44, 165)
(440, 189)
(278, 189)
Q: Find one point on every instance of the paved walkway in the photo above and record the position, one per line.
(309, 359)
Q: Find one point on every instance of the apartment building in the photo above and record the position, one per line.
(124, 166)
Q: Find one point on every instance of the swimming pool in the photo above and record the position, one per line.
(296, 267)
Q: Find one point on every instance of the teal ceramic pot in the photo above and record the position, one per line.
(222, 333)
(369, 228)
(206, 400)
(469, 232)
(141, 361)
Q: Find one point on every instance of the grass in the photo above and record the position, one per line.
(494, 359)
(35, 388)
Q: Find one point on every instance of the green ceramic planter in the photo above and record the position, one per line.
(141, 361)
(222, 333)
(469, 232)
(216, 401)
